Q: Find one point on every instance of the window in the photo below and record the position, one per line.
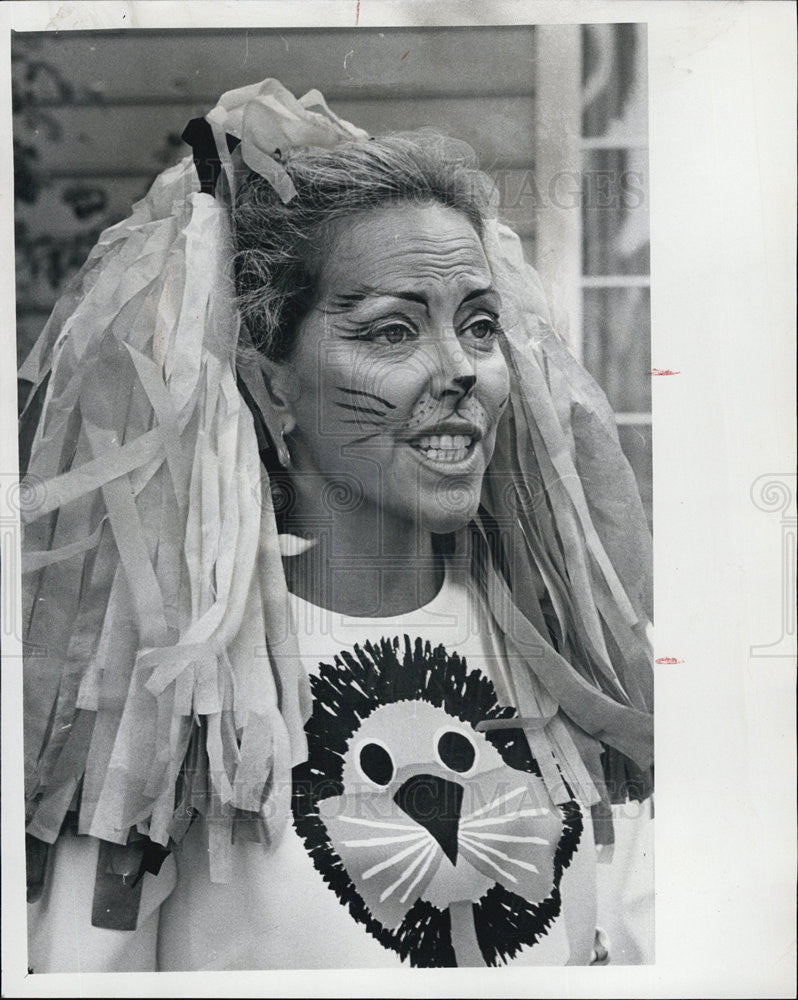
(593, 238)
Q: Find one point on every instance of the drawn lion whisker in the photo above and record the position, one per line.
(401, 838)
(498, 802)
(408, 871)
(369, 395)
(358, 408)
(421, 874)
(378, 823)
(528, 866)
(470, 847)
(506, 818)
(419, 845)
(360, 440)
(506, 838)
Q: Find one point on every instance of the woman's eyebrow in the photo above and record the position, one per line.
(479, 292)
(345, 299)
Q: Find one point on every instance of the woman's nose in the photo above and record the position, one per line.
(454, 373)
(465, 382)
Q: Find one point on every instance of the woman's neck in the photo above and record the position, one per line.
(364, 567)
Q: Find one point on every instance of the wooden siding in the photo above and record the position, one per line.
(104, 111)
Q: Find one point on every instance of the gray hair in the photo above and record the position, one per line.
(279, 248)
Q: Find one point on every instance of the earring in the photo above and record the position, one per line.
(283, 455)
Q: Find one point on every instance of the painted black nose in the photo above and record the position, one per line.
(465, 383)
(435, 804)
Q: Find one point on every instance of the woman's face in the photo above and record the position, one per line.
(397, 380)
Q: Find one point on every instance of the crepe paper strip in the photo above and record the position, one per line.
(515, 722)
(82, 644)
(54, 609)
(269, 110)
(56, 797)
(220, 779)
(295, 697)
(249, 827)
(198, 779)
(183, 364)
(52, 449)
(114, 462)
(237, 553)
(32, 561)
(129, 535)
(118, 649)
(524, 688)
(255, 687)
(569, 481)
(168, 563)
(541, 748)
(634, 653)
(158, 774)
(586, 624)
(619, 725)
(538, 712)
(164, 664)
(617, 516)
(537, 398)
(590, 752)
(163, 810)
(151, 380)
(89, 693)
(276, 808)
(261, 162)
(96, 770)
(182, 812)
(314, 99)
(533, 532)
(255, 765)
(554, 469)
(569, 755)
(122, 801)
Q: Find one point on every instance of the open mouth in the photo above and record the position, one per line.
(444, 447)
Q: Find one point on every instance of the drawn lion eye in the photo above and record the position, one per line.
(375, 762)
(455, 750)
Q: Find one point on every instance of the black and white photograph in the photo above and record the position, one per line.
(335, 490)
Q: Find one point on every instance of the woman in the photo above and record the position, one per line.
(339, 571)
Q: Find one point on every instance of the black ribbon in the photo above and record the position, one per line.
(199, 135)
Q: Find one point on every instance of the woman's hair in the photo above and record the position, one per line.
(279, 248)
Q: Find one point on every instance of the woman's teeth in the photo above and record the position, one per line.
(444, 447)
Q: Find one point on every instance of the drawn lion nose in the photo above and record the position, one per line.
(435, 804)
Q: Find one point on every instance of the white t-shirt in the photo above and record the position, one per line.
(413, 838)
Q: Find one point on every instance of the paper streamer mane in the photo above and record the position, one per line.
(155, 598)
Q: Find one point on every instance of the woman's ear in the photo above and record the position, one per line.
(283, 388)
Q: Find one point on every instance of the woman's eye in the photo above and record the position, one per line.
(394, 334)
(482, 329)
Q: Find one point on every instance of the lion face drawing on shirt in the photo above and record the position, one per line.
(442, 840)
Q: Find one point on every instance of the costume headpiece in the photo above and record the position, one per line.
(155, 598)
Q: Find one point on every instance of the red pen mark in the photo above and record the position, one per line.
(662, 371)
(405, 55)
(668, 660)
(357, 13)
